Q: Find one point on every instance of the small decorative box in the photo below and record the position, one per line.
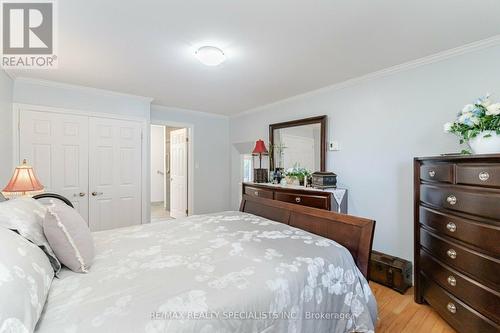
(324, 180)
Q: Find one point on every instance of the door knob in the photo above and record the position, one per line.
(81, 194)
(95, 194)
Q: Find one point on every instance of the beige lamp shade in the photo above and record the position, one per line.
(23, 181)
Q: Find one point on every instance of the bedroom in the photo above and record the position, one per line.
(386, 75)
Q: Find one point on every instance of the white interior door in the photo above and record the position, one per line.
(57, 146)
(178, 173)
(157, 163)
(115, 173)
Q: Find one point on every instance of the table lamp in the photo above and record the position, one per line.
(260, 175)
(23, 182)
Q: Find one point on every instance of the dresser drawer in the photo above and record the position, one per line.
(479, 174)
(462, 317)
(484, 300)
(484, 203)
(303, 199)
(258, 192)
(481, 235)
(479, 266)
(437, 172)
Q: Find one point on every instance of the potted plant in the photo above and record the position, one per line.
(478, 125)
(297, 174)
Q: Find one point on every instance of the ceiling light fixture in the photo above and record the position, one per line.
(210, 55)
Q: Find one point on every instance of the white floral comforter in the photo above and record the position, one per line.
(226, 272)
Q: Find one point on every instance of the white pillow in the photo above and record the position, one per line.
(25, 215)
(69, 237)
(25, 279)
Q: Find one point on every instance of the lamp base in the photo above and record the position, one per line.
(260, 175)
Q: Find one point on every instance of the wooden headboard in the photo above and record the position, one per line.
(354, 233)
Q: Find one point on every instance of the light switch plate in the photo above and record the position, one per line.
(333, 146)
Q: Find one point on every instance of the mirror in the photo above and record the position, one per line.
(298, 143)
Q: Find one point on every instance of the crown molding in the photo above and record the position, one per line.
(178, 109)
(434, 58)
(56, 84)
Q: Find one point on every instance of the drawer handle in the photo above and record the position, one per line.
(452, 227)
(451, 307)
(452, 253)
(484, 176)
(256, 193)
(452, 281)
(297, 199)
(452, 200)
(432, 173)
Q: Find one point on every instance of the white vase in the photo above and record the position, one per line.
(488, 145)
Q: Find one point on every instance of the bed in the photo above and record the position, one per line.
(265, 268)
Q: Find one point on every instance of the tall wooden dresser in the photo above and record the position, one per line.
(457, 239)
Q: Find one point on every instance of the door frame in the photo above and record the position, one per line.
(17, 108)
(190, 145)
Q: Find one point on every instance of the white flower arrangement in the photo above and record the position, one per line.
(480, 118)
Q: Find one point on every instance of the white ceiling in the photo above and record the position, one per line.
(275, 49)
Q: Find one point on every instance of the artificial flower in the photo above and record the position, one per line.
(447, 127)
(484, 101)
(468, 108)
(493, 109)
(469, 120)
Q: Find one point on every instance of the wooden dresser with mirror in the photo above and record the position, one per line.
(299, 143)
(457, 239)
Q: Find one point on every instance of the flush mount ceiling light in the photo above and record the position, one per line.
(210, 55)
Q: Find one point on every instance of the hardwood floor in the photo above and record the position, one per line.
(400, 314)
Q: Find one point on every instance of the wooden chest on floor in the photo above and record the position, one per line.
(390, 271)
(457, 239)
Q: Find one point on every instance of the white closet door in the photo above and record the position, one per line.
(57, 146)
(115, 173)
(178, 173)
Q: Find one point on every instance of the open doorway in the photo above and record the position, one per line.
(169, 172)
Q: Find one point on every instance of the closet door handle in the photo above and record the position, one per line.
(95, 194)
(81, 194)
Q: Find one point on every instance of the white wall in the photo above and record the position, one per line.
(61, 95)
(6, 85)
(211, 153)
(157, 163)
(381, 125)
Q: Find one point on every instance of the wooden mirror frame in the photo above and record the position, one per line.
(301, 122)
